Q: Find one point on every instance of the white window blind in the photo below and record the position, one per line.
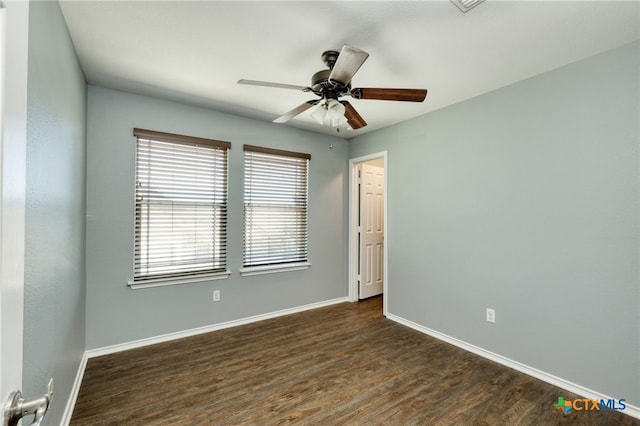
(180, 206)
(275, 206)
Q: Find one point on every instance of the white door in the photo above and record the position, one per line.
(12, 168)
(371, 230)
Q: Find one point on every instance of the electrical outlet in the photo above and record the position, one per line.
(491, 315)
(216, 295)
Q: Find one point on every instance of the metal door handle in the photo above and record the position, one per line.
(17, 407)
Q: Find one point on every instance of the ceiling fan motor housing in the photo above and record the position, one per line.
(321, 86)
(320, 83)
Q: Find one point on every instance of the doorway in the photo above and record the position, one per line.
(368, 252)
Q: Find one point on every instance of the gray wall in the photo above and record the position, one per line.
(115, 313)
(525, 200)
(54, 300)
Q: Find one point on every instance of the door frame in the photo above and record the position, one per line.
(353, 227)
(13, 143)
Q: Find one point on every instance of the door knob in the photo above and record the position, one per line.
(17, 407)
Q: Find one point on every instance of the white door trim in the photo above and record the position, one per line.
(13, 142)
(353, 227)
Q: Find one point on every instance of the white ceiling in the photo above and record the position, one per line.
(195, 52)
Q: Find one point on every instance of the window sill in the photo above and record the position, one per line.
(161, 282)
(272, 269)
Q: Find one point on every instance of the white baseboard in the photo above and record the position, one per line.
(73, 396)
(630, 410)
(208, 328)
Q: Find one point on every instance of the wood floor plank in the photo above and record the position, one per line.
(340, 365)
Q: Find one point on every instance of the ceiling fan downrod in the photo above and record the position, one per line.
(330, 57)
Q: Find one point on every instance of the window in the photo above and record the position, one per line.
(275, 210)
(180, 209)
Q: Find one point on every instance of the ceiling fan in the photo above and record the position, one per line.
(333, 83)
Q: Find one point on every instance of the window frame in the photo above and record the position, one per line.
(141, 280)
(249, 269)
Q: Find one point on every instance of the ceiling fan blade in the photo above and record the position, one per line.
(297, 110)
(277, 85)
(348, 63)
(353, 118)
(407, 95)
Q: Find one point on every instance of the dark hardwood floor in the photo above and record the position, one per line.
(340, 365)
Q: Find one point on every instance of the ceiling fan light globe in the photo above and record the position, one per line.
(319, 114)
(335, 109)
